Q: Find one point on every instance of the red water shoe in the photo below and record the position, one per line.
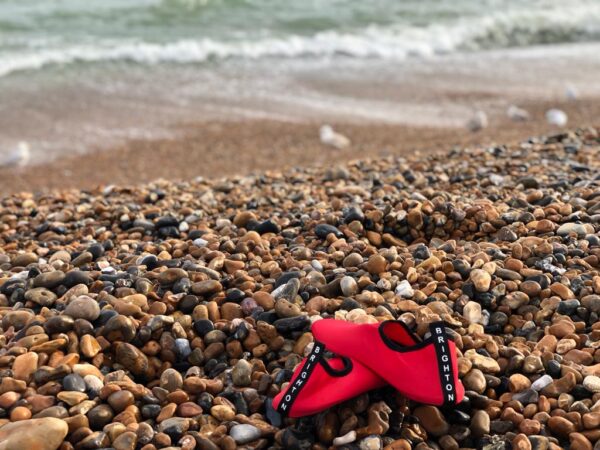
(426, 372)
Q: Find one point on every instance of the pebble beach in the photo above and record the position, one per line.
(166, 315)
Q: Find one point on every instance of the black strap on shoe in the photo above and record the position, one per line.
(442, 350)
(294, 388)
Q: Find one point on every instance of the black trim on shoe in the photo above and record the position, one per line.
(444, 360)
(404, 348)
(337, 372)
(294, 388)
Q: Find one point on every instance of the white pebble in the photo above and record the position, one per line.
(541, 382)
(472, 312)
(333, 138)
(517, 114)
(592, 383)
(557, 117)
(316, 265)
(404, 289)
(93, 383)
(348, 286)
(349, 437)
(200, 242)
(478, 122)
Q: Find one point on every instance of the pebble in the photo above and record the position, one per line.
(592, 383)
(74, 382)
(348, 438)
(244, 433)
(580, 230)
(481, 280)
(39, 434)
(241, 373)
(171, 380)
(472, 312)
(480, 423)
(404, 289)
(432, 420)
(475, 381)
(83, 308)
(348, 286)
(541, 382)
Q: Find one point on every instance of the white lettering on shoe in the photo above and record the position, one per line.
(442, 351)
(294, 388)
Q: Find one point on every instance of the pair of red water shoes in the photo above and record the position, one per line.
(368, 356)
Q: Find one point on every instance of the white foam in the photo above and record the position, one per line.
(397, 42)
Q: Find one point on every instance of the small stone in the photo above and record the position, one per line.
(174, 427)
(480, 423)
(206, 288)
(562, 291)
(322, 230)
(562, 328)
(561, 386)
(484, 363)
(171, 380)
(376, 264)
(89, 346)
(244, 433)
(481, 280)
(518, 383)
(592, 383)
(24, 259)
(100, 416)
(41, 296)
(370, 443)
(533, 364)
(120, 400)
(20, 413)
(475, 381)
(49, 280)
(74, 382)
(579, 442)
(348, 438)
(125, 441)
(222, 412)
(404, 289)
(472, 312)
(131, 358)
(526, 396)
(432, 420)
(39, 434)
(578, 229)
(203, 326)
(541, 382)
(24, 366)
(561, 426)
(241, 373)
(287, 291)
(348, 286)
(284, 308)
(83, 307)
(71, 398)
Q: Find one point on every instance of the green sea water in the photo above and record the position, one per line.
(35, 35)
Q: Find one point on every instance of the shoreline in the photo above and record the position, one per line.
(215, 149)
(63, 114)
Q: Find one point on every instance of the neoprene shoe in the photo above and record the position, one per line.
(319, 383)
(426, 372)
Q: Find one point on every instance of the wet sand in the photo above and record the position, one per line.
(223, 148)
